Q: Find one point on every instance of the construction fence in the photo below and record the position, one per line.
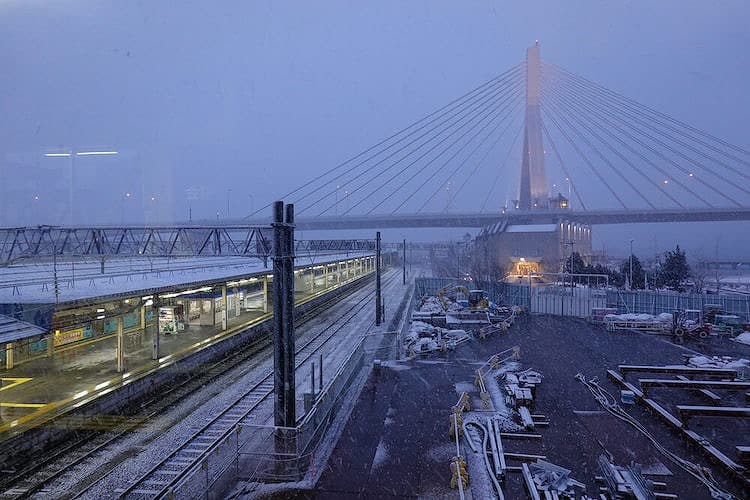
(578, 301)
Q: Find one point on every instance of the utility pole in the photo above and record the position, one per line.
(378, 309)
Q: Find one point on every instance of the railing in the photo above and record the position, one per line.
(257, 452)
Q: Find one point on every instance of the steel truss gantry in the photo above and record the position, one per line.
(20, 243)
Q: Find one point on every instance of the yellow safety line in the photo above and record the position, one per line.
(24, 405)
(17, 381)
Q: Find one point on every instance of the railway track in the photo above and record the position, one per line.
(38, 471)
(158, 481)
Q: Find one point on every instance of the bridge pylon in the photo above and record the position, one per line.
(533, 190)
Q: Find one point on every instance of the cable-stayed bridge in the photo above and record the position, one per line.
(586, 153)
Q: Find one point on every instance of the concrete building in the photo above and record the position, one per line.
(533, 248)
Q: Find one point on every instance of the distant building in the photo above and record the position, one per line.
(522, 249)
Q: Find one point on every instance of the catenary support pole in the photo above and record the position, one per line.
(378, 301)
(287, 313)
(278, 319)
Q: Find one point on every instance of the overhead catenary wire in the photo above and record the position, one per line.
(642, 130)
(458, 151)
(439, 111)
(636, 114)
(579, 110)
(470, 115)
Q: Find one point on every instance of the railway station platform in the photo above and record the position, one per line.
(83, 342)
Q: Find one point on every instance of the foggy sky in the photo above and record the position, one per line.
(258, 97)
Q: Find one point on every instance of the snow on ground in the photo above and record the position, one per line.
(165, 432)
(741, 365)
(743, 338)
(381, 455)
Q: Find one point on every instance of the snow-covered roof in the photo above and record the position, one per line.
(12, 329)
(84, 282)
(532, 228)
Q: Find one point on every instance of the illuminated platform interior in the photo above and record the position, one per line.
(99, 335)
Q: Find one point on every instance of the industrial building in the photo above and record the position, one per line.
(523, 249)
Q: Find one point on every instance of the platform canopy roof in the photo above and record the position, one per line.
(12, 329)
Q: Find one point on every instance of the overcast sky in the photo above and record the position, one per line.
(257, 97)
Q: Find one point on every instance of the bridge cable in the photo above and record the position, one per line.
(563, 100)
(616, 114)
(460, 164)
(557, 103)
(466, 108)
(516, 95)
(602, 117)
(502, 166)
(377, 187)
(462, 108)
(550, 109)
(633, 112)
(479, 163)
(467, 118)
(562, 164)
(564, 133)
(646, 110)
(425, 121)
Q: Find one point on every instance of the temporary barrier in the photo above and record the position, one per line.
(581, 301)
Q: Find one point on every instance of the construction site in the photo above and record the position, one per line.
(487, 400)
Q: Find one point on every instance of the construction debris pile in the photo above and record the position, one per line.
(459, 306)
(423, 338)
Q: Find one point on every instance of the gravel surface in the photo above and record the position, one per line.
(404, 409)
(154, 440)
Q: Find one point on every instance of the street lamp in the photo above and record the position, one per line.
(123, 197)
(72, 154)
(229, 193)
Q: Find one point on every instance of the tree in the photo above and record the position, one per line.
(578, 265)
(675, 270)
(637, 280)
